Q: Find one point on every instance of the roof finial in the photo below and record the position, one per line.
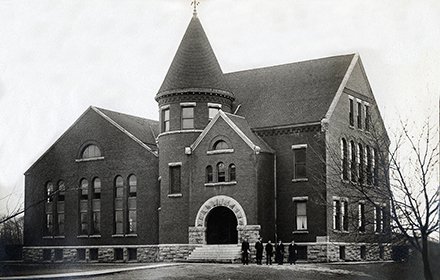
(195, 3)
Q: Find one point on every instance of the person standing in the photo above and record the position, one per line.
(279, 252)
(269, 253)
(259, 250)
(245, 252)
(292, 252)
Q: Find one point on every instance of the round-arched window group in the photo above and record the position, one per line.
(223, 173)
(359, 163)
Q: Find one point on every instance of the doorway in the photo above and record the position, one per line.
(221, 226)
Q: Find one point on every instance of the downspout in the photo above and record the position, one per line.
(275, 192)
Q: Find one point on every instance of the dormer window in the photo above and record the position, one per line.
(91, 151)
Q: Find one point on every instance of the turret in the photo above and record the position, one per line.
(193, 91)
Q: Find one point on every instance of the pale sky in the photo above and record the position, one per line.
(59, 57)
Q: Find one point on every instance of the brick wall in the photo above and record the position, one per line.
(122, 156)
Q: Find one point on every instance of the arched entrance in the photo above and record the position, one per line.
(221, 226)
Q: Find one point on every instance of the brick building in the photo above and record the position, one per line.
(270, 152)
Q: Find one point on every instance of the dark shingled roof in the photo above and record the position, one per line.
(143, 129)
(287, 94)
(194, 66)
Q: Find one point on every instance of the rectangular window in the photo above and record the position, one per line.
(379, 212)
(344, 212)
(361, 218)
(367, 117)
(382, 221)
(336, 215)
(375, 168)
(81, 254)
(363, 252)
(301, 215)
(132, 254)
(342, 252)
(359, 115)
(351, 113)
(93, 253)
(166, 120)
(187, 117)
(175, 179)
(299, 161)
(58, 254)
(47, 254)
(118, 254)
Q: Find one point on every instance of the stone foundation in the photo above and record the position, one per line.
(149, 253)
(316, 251)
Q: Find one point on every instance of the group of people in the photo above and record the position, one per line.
(279, 252)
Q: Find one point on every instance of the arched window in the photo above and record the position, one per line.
(221, 172)
(375, 167)
(344, 153)
(49, 192)
(369, 165)
(96, 206)
(361, 163)
(60, 207)
(232, 172)
(209, 174)
(220, 145)
(132, 221)
(49, 208)
(119, 205)
(83, 207)
(91, 151)
(353, 162)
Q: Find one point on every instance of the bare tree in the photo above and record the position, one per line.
(413, 191)
(404, 174)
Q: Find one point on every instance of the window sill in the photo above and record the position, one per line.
(89, 159)
(231, 183)
(175, 195)
(300, 232)
(118, 235)
(300, 180)
(131, 235)
(59, 237)
(340, 231)
(224, 151)
(47, 237)
(95, 236)
(82, 236)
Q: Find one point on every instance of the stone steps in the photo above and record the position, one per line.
(216, 253)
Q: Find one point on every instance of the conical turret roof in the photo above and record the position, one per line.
(194, 66)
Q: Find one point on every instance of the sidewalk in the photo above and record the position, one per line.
(89, 273)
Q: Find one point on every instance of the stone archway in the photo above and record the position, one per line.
(220, 200)
(197, 233)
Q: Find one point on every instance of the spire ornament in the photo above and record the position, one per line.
(195, 3)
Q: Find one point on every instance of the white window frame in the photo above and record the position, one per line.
(296, 200)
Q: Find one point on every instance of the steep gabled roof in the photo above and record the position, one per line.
(288, 94)
(194, 66)
(143, 131)
(241, 127)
